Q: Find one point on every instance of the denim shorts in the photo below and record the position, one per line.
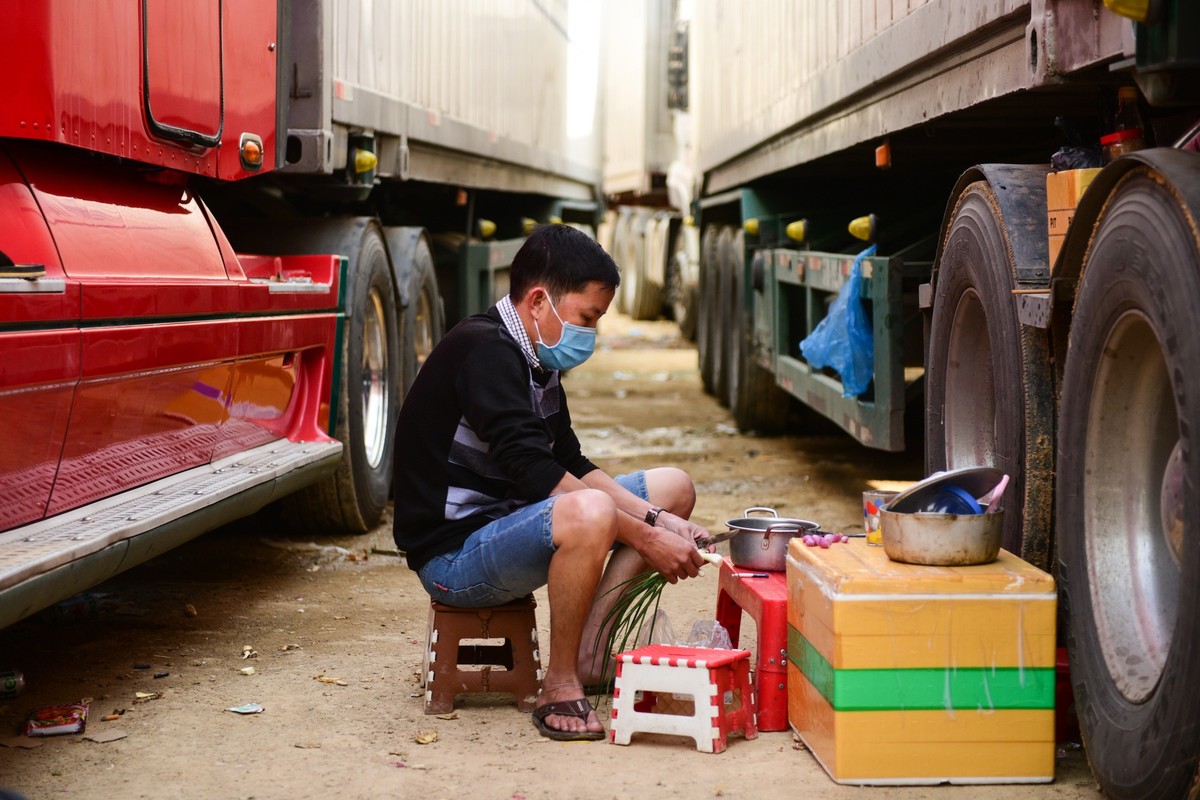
(504, 560)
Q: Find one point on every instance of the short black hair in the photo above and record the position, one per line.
(562, 259)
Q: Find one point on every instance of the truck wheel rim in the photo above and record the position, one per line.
(1133, 430)
(970, 410)
(423, 333)
(374, 379)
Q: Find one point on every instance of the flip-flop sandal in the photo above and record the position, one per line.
(568, 708)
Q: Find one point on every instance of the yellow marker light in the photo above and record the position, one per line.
(1136, 10)
(863, 228)
(690, 221)
(796, 230)
(556, 220)
(486, 228)
(750, 226)
(528, 225)
(365, 161)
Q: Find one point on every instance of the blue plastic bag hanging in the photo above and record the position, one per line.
(843, 341)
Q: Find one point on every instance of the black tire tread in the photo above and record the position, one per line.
(342, 503)
(755, 400)
(977, 257)
(1143, 257)
(706, 320)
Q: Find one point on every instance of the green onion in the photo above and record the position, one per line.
(639, 598)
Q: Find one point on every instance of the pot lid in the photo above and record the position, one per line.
(975, 481)
(761, 524)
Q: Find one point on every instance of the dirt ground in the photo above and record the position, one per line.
(338, 636)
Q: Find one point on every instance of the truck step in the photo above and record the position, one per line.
(54, 558)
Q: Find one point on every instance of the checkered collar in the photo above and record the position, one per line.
(512, 322)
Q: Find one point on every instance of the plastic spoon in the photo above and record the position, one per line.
(994, 496)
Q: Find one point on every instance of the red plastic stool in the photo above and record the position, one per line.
(764, 599)
(662, 673)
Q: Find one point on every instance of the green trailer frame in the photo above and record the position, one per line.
(787, 299)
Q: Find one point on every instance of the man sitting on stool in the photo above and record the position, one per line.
(493, 498)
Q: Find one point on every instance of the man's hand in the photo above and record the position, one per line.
(670, 549)
(686, 529)
(671, 556)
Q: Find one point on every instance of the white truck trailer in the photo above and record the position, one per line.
(648, 176)
(1051, 335)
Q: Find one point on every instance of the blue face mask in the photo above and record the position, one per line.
(574, 347)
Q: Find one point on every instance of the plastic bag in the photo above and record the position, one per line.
(710, 634)
(844, 340)
(656, 630)
(1075, 158)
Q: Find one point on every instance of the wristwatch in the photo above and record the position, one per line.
(652, 515)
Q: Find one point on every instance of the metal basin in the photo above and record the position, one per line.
(762, 542)
(942, 540)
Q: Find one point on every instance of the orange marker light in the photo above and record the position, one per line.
(252, 152)
(883, 155)
(250, 149)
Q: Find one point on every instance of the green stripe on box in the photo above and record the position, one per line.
(922, 689)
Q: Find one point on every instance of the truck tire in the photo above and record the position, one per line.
(368, 392)
(604, 231)
(424, 320)
(682, 295)
(621, 233)
(646, 300)
(723, 313)
(706, 321)
(757, 403)
(633, 264)
(1128, 544)
(989, 388)
(736, 321)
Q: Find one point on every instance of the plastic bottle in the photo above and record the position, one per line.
(82, 606)
(1128, 134)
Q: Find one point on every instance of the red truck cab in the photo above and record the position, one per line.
(153, 383)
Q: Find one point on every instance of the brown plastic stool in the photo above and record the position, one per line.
(445, 656)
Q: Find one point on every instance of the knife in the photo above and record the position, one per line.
(716, 539)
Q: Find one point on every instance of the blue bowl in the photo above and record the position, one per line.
(950, 499)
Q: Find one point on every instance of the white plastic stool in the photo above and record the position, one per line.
(661, 672)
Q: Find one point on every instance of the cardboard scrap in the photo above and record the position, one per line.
(23, 742)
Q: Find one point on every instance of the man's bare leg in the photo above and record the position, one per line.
(667, 488)
(584, 528)
(624, 564)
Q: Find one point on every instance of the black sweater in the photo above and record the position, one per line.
(481, 433)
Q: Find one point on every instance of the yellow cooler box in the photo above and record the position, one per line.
(903, 674)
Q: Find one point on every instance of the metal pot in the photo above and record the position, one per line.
(942, 540)
(762, 542)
